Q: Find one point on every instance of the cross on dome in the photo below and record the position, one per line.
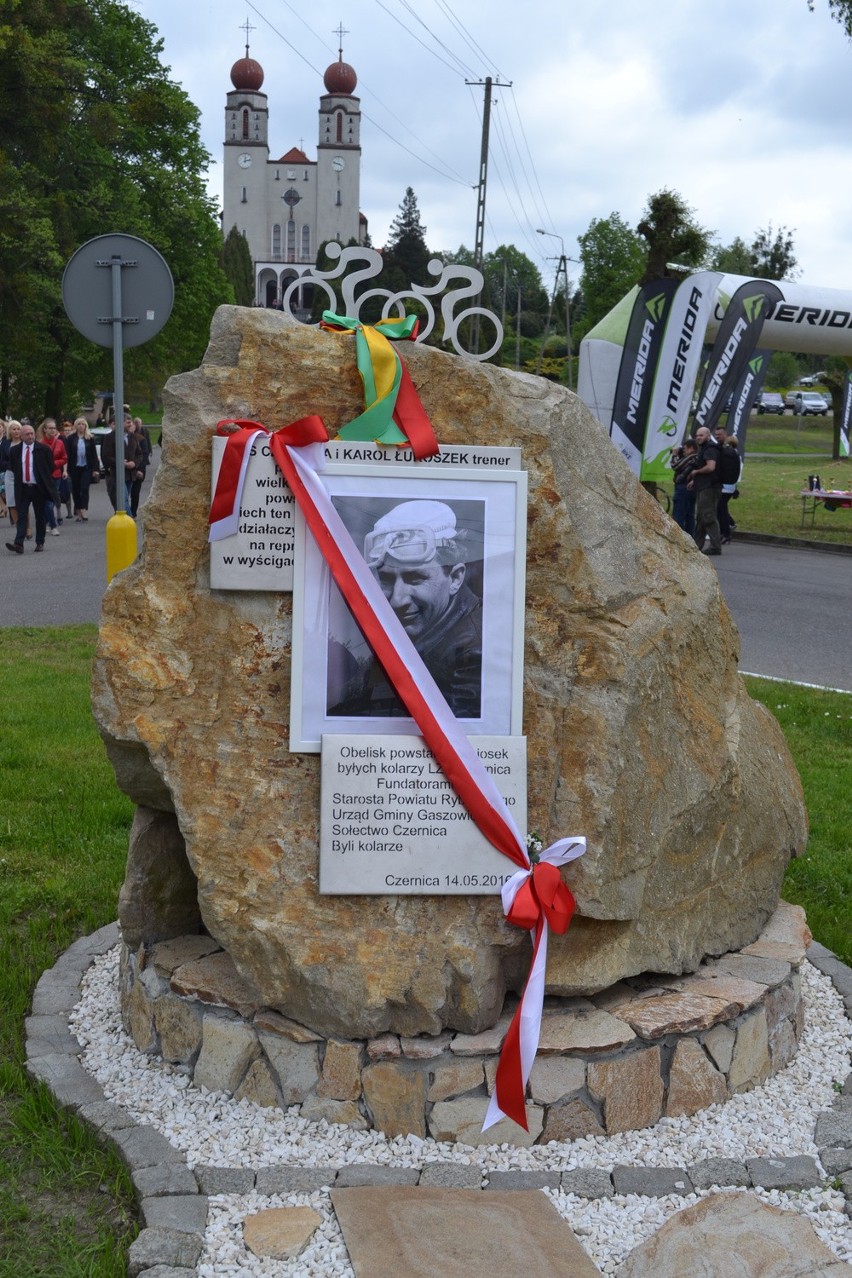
(247, 73)
(340, 79)
(340, 31)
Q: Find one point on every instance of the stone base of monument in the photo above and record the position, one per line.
(647, 1048)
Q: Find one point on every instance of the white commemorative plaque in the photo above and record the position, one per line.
(260, 554)
(391, 823)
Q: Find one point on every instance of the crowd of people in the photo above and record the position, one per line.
(46, 473)
(706, 469)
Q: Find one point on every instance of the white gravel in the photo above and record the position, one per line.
(774, 1120)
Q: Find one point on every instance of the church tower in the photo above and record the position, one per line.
(290, 206)
(246, 151)
(339, 154)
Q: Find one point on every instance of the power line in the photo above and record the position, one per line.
(410, 9)
(548, 218)
(466, 36)
(519, 199)
(460, 181)
(408, 30)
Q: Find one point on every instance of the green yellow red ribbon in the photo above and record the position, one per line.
(394, 414)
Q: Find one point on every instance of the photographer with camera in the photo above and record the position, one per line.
(682, 462)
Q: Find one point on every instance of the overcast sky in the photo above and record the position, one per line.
(743, 106)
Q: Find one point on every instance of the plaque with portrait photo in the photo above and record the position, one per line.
(449, 552)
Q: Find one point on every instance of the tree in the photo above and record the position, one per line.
(732, 259)
(770, 256)
(613, 258)
(406, 254)
(783, 370)
(94, 137)
(238, 267)
(834, 377)
(773, 257)
(506, 270)
(841, 10)
(671, 233)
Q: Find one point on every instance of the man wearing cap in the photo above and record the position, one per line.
(418, 557)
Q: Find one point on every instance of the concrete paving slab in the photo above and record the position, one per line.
(408, 1232)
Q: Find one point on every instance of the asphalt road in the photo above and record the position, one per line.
(792, 607)
(64, 585)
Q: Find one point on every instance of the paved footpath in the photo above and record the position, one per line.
(174, 1197)
(65, 585)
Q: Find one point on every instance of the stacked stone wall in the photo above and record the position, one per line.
(647, 1048)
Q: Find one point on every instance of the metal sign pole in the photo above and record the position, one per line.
(118, 313)
(115, 265)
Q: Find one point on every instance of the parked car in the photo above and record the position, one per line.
(770, 402)
(806, 402)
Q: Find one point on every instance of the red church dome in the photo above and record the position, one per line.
(246, 74)
(340, 78)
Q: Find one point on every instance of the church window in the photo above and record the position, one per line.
(291, 241)
(306, 243)
(245, 124)
(339, 200)
(243, 197)
(339, 126)
(276, 240)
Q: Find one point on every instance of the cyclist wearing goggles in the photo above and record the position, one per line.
(417, 555)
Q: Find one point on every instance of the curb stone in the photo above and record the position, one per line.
(651, 1182)
(169, 1190)
(794, 543)
(522, 1180)
(798, 1172)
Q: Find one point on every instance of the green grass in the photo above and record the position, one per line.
(66, 1204)
(770, 499)
(772, 433)
(818, 729)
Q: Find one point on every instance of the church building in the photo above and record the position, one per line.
(288, 207)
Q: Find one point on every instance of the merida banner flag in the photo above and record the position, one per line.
(745, 394)
(736, 342)
(846, 415)
(671, 397)
(638, 364)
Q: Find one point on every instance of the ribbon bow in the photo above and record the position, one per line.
(389, 392)
(542, 893)
(535, 898)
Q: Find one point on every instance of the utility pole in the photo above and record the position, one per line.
(561, 269)
(479, 237)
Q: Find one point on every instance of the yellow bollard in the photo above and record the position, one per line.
(120, 543)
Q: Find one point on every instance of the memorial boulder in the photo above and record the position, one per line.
(640, 734)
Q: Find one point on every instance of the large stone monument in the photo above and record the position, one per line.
(640, 734)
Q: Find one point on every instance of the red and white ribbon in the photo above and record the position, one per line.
(535, 898)
(225, 509)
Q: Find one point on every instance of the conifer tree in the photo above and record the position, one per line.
(237, 265)
(406, 252)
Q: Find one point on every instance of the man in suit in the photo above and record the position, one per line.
(31, 464)
(132, 458)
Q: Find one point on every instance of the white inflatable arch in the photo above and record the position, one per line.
(807, 319)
